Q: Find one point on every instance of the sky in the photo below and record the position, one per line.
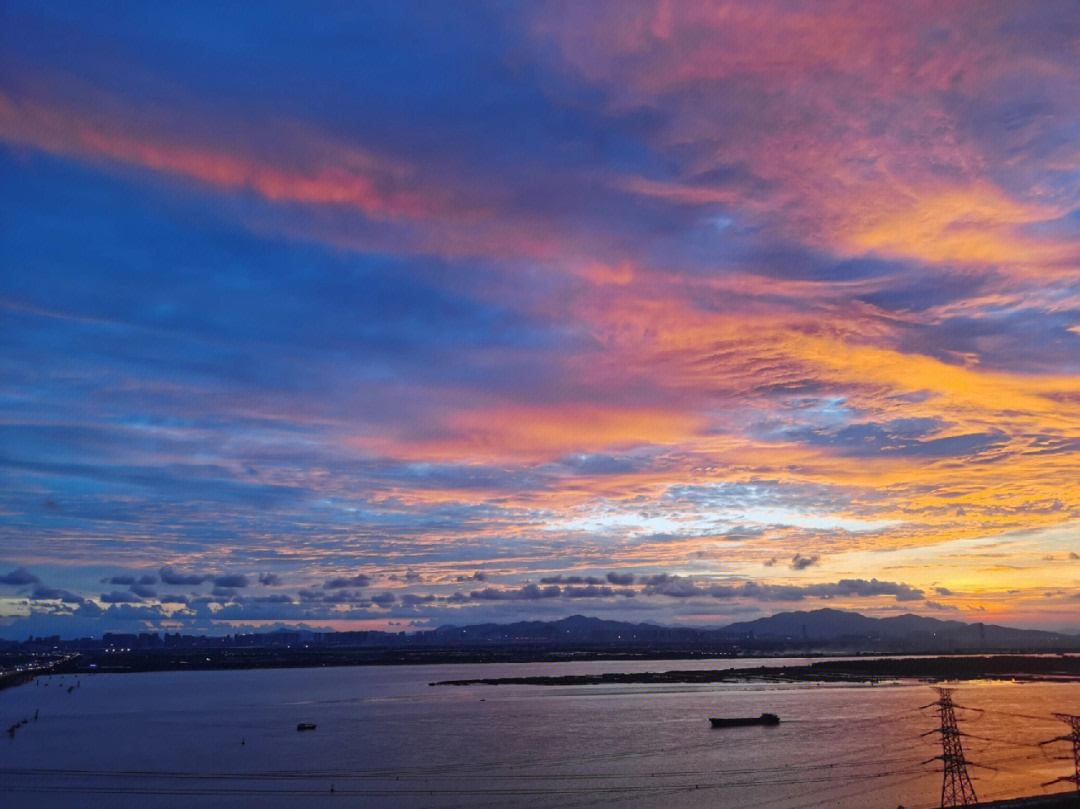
(396, 315)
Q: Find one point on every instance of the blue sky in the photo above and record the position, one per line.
(777, 301)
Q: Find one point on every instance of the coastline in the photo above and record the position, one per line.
(1029, 668)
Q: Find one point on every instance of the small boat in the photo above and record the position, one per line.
(306, 726)
(744, 721)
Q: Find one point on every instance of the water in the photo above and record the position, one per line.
(387, 739)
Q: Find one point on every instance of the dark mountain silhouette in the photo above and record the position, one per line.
(822, 630)
(576, 628)
(840, 626)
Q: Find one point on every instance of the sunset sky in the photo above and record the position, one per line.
(406, 314)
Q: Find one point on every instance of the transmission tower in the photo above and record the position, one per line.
(956, 788)
(1074, 724)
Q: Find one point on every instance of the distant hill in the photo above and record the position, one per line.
(576, 629)
(818, 630)
(841, 627)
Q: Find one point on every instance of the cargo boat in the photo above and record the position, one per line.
(744, 721)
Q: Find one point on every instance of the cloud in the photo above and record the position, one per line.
(172, 576)
(269, 579)
(571, 580)
(335, 596)
(682, 587)
(588, 591)
(845, 588)
(234, 580)
(120, 597)
(934, 605)
(18, 576)
(622, 579)
(42, 593)
(673, 586)
(359, 580)
(351, 178)
(528, 592)
(800, 562)
(873, 587)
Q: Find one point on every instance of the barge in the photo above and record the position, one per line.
(744, 721)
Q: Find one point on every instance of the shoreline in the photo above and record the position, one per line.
(820, 668)
(1024, 668)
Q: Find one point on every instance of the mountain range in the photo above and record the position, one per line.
(819, 630)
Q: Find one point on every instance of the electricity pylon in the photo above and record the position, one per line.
(956, 788)
(1074, 737)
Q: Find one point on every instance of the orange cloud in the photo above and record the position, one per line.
(539, 433)
(335, 174)
(845, 120)
(977, 225)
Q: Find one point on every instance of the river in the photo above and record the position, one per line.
(385, 738)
